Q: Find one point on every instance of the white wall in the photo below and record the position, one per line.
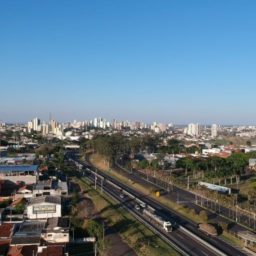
(32, 215)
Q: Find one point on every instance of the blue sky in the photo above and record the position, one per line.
(170, 61)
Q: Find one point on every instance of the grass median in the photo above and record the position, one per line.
(135, 234)
(99, 162)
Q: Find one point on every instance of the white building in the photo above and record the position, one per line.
(214, 131)
(44, 207)
(56, 230)
(193, 130)
(50, 188)
(45, 129)
(30, 126)
(36, 124)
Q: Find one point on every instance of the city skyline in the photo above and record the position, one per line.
(174, 62)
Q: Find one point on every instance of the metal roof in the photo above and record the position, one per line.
(45, 199)
(18, 168)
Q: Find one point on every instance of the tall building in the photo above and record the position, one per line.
(193, 130)
(53, 126)
(45, 129)
(214, 131)
(36, 124)
(30, 126)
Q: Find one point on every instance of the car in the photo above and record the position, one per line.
(121, 196)
(137, 207)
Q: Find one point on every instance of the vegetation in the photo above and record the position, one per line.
(138, 237)
(116, 146)
(5, 203)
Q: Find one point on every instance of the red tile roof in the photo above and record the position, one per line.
(52, 250)
(6, 230)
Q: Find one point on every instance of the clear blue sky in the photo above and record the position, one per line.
(171, 61)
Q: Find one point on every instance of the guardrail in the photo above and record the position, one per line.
(202, 241)
(152, 228)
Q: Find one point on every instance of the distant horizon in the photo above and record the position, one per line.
(129, 120)
(183, 61)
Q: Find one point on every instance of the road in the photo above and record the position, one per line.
(188, 198)
(189, 244)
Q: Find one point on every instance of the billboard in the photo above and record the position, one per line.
(39, 209)
(214, 187)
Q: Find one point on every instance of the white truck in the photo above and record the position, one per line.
(152, 216)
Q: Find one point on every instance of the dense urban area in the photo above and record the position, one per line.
(127, 188)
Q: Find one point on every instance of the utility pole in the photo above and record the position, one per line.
(101, 187)
(103, 236)
(188, 183)
(95, 180)
(95, 249)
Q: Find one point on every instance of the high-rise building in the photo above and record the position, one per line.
(214, 131)
(193, 130)
(53, 126)
(36, 124)
(30, 126)
(45, 129)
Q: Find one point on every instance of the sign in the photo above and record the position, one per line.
(37, 209)
(89, 239)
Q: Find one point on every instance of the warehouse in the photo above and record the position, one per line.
(16, 173)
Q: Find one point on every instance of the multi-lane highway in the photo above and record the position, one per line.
(186, 236)
(183, 241)
(189, 199)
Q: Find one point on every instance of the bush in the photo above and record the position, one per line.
(19, 208)
(95, 229)
(203, 215)
(192, 212)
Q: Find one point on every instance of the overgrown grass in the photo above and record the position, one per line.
(231, 239)
(137, 236)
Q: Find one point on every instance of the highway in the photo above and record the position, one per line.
(189, 199)
(188, 245)
(192, 243)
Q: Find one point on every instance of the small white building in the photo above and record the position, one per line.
(56, 230)
(44, 207)
(50, 187)
(25, 192)
(252, 163)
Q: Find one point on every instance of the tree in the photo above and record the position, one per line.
(187, 163)
(95, 229)
(248, 143)
(143, 164)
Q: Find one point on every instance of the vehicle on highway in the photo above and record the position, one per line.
(121, 195)
(158, 220)
(137, 207)
(208, 229)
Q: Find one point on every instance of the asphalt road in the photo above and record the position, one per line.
(178, 237)
(189, 243)
(188, 199)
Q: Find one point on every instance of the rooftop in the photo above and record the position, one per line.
(29, 250)
(6, 230)
(52, 250)
(57, 222)
(18, 168)
(28, 233)
(45, 199)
